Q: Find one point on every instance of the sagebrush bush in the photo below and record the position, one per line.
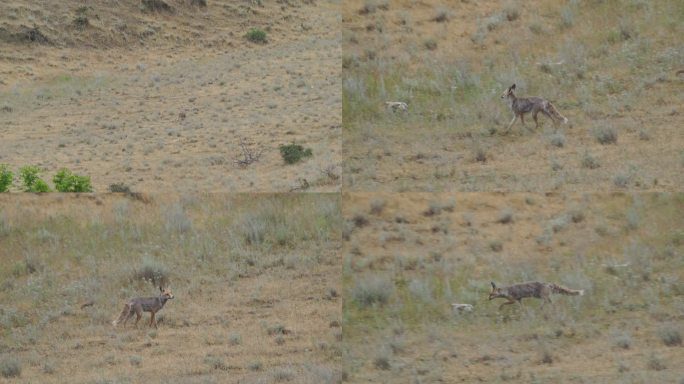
(30, 177)
(605, 135)
(153, 271)
(294, 153)
(10, 368)
(257, 36)
(6, 177)
(371, 291)
(66, 181)
(670, 336)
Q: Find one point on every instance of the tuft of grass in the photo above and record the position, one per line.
(135, 360)
(376, 206)
(294, 153)
(655, 363)
(255, 366)
(6, 177)
(623, 341)
(505, 216)
(606, 135)
(382, 362)
(120, 188)
(589, 161)
(256, 35)
(567, 17)
(372, 290)
(441, 15)
(670, 336)
(152, 271)
(557, 140)
(235, 339)
(9, 367)
(215, 362)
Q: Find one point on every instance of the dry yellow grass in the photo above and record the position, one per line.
(606, 65)
(415, 254)
(160, 101)
(255, 279)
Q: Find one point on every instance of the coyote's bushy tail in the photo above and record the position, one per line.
(122, 316)
(553, 111)
(555, 288)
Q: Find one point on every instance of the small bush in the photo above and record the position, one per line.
(589, 161)
(605, 135)
(215, 363)
(558, 140)
(152, 271)
(567, 15)
(66, 181)
(135, 360)
(10, 368)
(623, 341)
(441, 16)
(430, 44)
(511, 12)
(235, 339)
(119, 187)
(6, 177)
(371, 291)
(254, 366)
(81, 21)
(30, 176)
(293, 153)
(655, 363)
(382, 362)
(376, 206)
(670, 336)
(256, 36)
(505, 217)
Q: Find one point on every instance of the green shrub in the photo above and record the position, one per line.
(256, 36)
(371, 291)
(66, 181)
(6, 177)
(293, 153)
(30, 176)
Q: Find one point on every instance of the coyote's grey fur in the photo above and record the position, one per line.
(522, 105)
(139, 305)
(395, 106)
(536, 289)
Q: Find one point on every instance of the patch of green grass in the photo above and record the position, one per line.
(66, 181)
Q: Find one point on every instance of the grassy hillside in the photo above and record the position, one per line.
(256, 281)
(609, 66)
(172, 98)
(408, 257)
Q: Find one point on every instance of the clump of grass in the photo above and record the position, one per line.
(120, 188)
(606, 135)
(670, 336)
(255, 366)
(30, 176)
(177, 221)
(135, 360)
(655, 363)
(372, 290)
(430, 44)
(480, 155)
(623, 341)
(589, 161)
(382, 362)
(376, 206)
(294, 153)
(441, 15)
(567, 17)
(235, 339)
(152, 271)
(557, 140)
(66, 181)
(621, 180)
(505, 216)
(368, 8)
(496, 246)
(215, 362)
(511, 12)
(10, 367)
(283, 374)
(6, 177)
(256, 35)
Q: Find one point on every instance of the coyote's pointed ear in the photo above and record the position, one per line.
(493, 286)
(513, 86)
(161, 289)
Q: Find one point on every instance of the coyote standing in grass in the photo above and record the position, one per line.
(536, 289)
(522, 105)
(139, 305)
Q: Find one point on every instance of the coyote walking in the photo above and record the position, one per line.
(522, 105)
(139, 305)
(536, 289)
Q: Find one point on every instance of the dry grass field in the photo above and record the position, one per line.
(255, 278)
(160, 100)
(609, 66)
(408, 257)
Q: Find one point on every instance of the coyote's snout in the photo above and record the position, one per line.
(139, 305)
(515, 293)
(522, 105)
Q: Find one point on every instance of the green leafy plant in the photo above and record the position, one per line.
(30, 176)
(6, 177)
(257, 36)
(66, 181)
(293, 153)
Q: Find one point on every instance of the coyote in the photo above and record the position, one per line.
(522, 105)
(536, 289)
(139, 305)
